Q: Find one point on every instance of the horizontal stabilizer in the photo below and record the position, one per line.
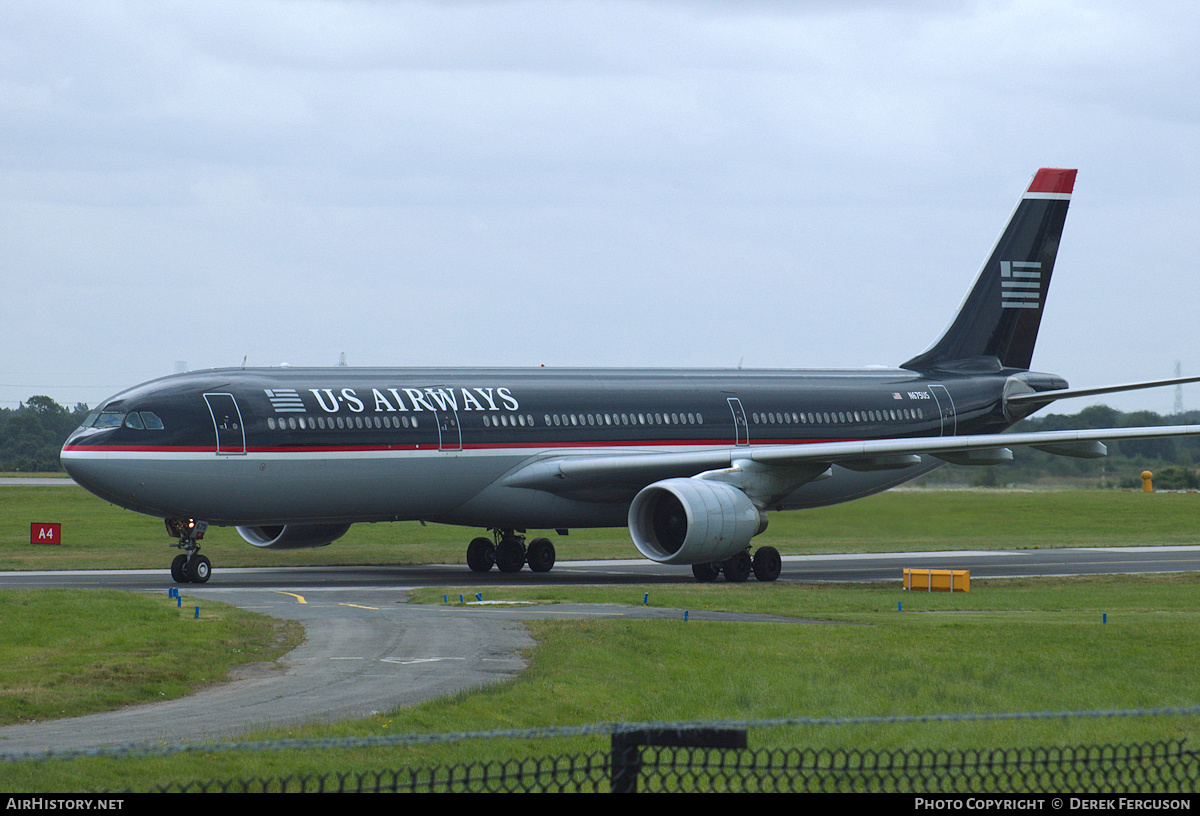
(1046, 397)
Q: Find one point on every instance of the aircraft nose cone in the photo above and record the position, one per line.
(90, 467)
(79, 467)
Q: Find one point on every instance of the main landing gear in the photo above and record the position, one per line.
(189, 567)
(508, 551)
(766, 566)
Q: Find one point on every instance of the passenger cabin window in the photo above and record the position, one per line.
(314, 423)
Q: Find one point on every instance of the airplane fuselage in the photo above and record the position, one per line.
(340, 445)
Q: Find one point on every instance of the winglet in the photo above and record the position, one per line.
(1052, 181)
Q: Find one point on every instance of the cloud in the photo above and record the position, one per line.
(686, 183)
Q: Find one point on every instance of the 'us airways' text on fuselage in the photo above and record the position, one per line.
(334, 400)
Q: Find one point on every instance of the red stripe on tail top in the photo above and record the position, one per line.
(1053, 180)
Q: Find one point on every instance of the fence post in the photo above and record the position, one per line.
(625, 762)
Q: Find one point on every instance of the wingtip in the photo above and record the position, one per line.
(1053, 180)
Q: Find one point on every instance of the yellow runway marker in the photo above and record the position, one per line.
(358, 606)
(299, 598)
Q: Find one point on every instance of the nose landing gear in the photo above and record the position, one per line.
(189, 567)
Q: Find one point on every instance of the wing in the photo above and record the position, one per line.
(607, 477)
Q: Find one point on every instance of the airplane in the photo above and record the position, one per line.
(691, 461)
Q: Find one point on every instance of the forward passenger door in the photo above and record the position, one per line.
(227, 422)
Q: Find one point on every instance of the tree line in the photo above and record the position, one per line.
(32, 434)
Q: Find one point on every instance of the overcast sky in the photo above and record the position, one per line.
(776, 184)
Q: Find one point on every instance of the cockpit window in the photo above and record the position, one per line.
(108, 420)
(90, 421)
(138, 420)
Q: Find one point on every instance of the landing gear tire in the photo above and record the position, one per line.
(540, 555)
(189, 567)
(767, 564)
(198, 569)
(510, 555)
(177, 569)
(481, 555)
(737, 569)
(706, 572)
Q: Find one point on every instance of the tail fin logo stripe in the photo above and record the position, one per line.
(1020, 284)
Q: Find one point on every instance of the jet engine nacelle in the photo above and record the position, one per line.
(292, 536)
(693, 521)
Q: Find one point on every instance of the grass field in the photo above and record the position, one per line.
(1008, 646)
(132, 649)
(99, 535)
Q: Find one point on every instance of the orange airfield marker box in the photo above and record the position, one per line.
(937, 580)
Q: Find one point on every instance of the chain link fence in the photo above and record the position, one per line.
(715, 757)
(1166, 767)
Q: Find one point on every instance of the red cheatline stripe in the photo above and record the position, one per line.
(1053, 180)
(140, 448)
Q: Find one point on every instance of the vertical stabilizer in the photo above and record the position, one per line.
(1001, 314)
